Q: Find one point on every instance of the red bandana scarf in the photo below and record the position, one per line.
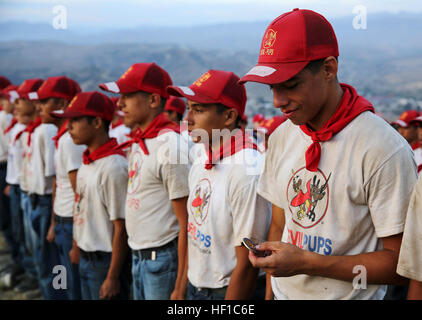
(350, 107)
(155, 127)
(107, 149)
(60, 133)
(11, 125)
(30, 128)
(237, 142)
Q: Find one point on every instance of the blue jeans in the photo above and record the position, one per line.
(5, 215)
(46, 255)
(16, 219)
(155, 279)
(29, 237)
(94, 271)
(63, 238)
(194, 293)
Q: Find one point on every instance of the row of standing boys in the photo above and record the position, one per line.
(60, 210)
(165, 211)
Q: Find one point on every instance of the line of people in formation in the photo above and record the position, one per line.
(135, 201)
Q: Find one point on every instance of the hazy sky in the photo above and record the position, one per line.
(131, 13)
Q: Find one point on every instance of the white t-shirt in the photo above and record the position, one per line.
(41, 162)
(223, 208)
(359, 194)
(120, 133)
(5, 119)
(14, 157)
(26, 156)
(155, 180)
(100, 199)
(67, 158)
(418, 156)
(410, 259)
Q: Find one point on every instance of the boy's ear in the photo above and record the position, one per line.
(97, 122)
(154, 101)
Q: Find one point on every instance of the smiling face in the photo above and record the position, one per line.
(304, 98)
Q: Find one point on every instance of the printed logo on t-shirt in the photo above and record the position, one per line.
(200, 204)
(78, 217)
(307, 195)
(135, 163)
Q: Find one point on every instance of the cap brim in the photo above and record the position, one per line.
(188, 93)
(400, 123)
(67, 114)
(273, 73)
(110, 87)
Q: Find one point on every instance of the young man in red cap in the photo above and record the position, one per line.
(408, 128)
(156, 214)
(338, 176)
(37, 179)
(26, 115)
(99, 211)
(175, 109)
(223, 205)
(55, 95)
(5, 120)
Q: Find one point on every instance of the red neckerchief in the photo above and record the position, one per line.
(154, 128)
(116, 124)
(60, 133)
(351, 105)
(415, 145)
(11, 125)
(237, 142)
(30, 128)
(107, 149)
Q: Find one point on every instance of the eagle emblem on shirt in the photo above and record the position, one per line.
(200, 202)
(308, 194)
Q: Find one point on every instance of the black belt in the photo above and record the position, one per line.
(150, 253)
(59, 219)
(93, 255)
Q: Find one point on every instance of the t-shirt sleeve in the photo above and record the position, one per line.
(114, 189)
(410, 258)
(267, 181)
(174, 167)
(389, 190)
(73, 156)
(251, 213)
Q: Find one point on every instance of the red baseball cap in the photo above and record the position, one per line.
(406, 118)
(6, 92)
(56, 87)
(175, 104)
(4, 82)
(147, 77)
(28, 86)
(93, 103)
(271, 124)
(290, 42)
(215, 86)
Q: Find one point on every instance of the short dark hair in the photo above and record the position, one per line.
(163, 100)
(315, 65)
(105, 122)
(220, 108)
